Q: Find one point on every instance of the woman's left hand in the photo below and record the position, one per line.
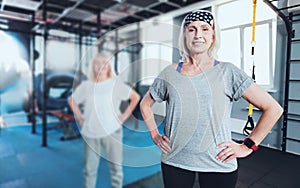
(232, 150)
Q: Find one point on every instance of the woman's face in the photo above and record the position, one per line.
(100, 67)
(199, 37)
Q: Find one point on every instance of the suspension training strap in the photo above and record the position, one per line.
(247, 130)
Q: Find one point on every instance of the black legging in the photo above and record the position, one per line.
(179, 178)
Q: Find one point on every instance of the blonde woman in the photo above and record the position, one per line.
(101, 119)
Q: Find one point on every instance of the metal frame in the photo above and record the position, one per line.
(288, 20)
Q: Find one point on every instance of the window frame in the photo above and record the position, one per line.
(271, 53)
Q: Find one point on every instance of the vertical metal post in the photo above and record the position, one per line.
(116, 51)
(32, 114)
(44, 129)
(99, 25)
(287, 83)
(137, 58)
(87, 53)
(79, 73)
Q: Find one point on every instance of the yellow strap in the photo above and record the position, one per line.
(254, 21)
(250, 110)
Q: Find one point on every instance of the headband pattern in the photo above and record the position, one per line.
(199, 15)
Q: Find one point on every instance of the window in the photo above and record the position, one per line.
(65, 61)
(157, 51)
(89, 49)
(155, 57)
(235, 21)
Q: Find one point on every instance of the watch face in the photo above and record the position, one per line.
(250, 144)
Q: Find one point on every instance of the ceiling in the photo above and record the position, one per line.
(76, 15)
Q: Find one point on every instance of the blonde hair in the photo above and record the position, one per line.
(100, 57)
(184, 51)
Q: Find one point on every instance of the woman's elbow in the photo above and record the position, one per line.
(142, 105)
(146, 102)
(137, 97)
(279, 111)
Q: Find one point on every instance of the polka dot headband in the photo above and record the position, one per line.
(199, 15)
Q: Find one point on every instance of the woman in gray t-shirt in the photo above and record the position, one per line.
(199, 93)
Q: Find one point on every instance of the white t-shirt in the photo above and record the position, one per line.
(101, 102)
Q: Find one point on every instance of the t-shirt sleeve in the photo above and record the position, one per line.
(239, 82)
(79, 93)
(158, 89)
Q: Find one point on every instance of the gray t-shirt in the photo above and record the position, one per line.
(198, 114)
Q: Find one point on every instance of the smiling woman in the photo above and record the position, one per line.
(200, 92)
(199, 37)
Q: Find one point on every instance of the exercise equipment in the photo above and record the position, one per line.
(59, 86)
(249, 126)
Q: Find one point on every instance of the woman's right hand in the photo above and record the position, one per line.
(162, 141)
(80, 121)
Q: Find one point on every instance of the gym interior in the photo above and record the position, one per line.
(46, 49)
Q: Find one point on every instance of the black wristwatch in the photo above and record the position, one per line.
(250, 144)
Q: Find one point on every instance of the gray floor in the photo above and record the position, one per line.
(266, 168)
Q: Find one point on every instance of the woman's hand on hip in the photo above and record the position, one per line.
(232, 150)
(80, 121)
(162, 141)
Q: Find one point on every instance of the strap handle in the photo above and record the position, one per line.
(250, 121)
